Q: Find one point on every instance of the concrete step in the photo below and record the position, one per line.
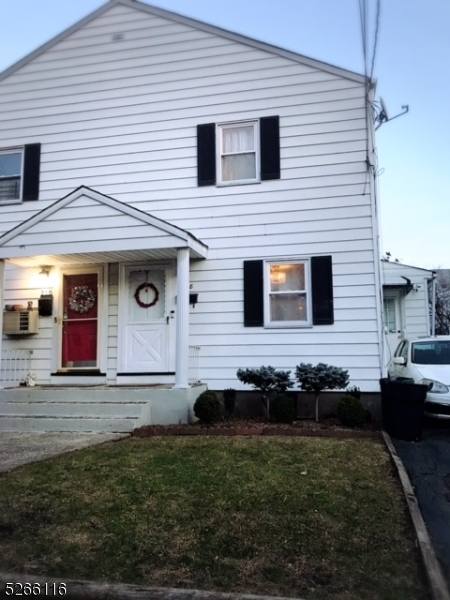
(57, 424)
(101, 410)
(71, 409)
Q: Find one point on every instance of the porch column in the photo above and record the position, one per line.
(182, 319)
(2, 306)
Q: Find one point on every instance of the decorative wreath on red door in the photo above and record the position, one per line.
(146, 286)
(82, 299)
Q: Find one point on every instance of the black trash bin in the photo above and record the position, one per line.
(403, 404)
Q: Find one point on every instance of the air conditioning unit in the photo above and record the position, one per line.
(20, 322)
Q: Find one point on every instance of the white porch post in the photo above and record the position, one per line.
(182, 319)
(2, 304)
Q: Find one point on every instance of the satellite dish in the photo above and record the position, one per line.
(384, 113)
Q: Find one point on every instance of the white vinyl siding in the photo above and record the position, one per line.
(121, 118)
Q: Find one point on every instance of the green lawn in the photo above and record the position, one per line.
(308, 517)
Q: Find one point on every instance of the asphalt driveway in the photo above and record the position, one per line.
(428, 465)
(17, 449)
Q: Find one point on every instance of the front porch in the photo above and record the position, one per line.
(115, 312)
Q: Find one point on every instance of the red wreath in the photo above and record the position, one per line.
(145, 286)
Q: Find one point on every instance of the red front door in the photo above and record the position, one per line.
(80, 321)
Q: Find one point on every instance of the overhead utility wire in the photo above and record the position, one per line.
(375, 43)
(363, 19)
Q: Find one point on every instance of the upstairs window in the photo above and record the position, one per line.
(238, 152)
(11, 162)
(20, 173)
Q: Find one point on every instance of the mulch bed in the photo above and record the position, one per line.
(329, 428)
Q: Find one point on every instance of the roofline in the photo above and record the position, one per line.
(113, 203)
(431, 271)
(160, 12)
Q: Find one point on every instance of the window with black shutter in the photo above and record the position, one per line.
(322, 290)
(206, 150)
(253, 293)
(238, 152)
(19, 173)
(288, 293)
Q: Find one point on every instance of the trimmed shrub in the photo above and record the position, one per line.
(351, 412)
(320, 378)
(207, 407)
(268, 380)
(283, 408)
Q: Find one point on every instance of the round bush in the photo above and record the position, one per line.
(283, 408)
(207, 407)
(351, 412)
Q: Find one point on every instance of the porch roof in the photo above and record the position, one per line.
(88, 227)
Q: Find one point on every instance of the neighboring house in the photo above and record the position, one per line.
(167, 188)
(406, 303)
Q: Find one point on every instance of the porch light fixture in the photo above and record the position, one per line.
(45, 270)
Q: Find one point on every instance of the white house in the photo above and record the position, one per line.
(406, 303)
(168, 188)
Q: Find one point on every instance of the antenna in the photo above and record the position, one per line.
(384, 113)
(383, 117)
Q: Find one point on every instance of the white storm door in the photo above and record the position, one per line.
(393, 326)
(146, 327)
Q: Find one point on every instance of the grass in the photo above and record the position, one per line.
(302, 517)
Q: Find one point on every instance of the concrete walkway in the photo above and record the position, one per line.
(17, 449)
(428, 465)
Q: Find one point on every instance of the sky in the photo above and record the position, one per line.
(411, 68)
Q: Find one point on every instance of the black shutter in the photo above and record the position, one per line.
(322, 290)
(270, 147)
(31, 171)
(206, 154)
(253, 293)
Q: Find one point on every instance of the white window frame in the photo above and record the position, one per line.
(390, 306)
(220, 127)
(18, 150)
(267, 292)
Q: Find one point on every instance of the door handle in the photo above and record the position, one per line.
(167, 320)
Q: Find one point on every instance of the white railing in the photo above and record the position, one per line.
(14, 367)
(193, 372)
